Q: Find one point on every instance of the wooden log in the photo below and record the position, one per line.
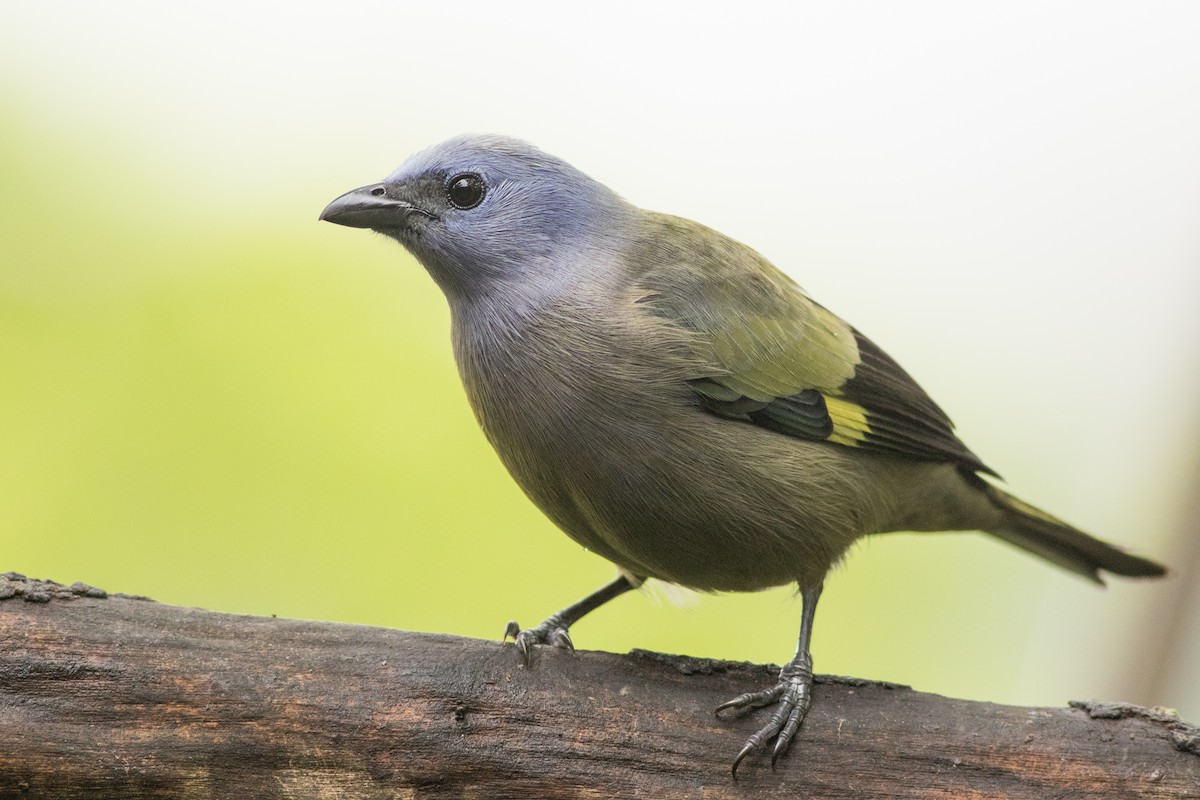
(117, 697)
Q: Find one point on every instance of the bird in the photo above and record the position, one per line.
(678, 405)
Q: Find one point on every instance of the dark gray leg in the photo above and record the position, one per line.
(793, 693)
(553, 629)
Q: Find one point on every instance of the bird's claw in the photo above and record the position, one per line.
(792, 696)
(550, 632)
(752, 700)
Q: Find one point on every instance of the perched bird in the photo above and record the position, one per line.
(677, 404)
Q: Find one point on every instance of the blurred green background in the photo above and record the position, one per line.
(210, 398)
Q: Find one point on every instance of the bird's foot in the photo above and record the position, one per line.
(552, 631)
(792, 697)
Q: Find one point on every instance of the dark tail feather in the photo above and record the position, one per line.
(1036, 531)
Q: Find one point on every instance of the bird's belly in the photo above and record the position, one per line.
(687, 497)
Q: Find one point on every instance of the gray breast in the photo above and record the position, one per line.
(599, 427)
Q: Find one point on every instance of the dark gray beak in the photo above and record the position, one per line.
(369, 207)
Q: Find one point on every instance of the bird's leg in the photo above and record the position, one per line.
(553, 629)
(792, 695)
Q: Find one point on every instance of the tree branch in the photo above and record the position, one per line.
(117, 697)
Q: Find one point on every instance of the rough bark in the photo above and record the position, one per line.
(117, 697)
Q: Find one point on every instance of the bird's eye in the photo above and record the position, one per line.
(465, 191)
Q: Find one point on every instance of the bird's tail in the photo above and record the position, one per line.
(1034, 530)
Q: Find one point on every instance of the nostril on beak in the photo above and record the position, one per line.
(377, 191)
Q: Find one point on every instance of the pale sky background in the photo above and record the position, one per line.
(1006, 197)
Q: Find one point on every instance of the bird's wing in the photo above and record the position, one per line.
(775, 358)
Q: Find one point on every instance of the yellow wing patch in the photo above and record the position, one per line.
(849, 421)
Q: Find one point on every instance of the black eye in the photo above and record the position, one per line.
(465, 191)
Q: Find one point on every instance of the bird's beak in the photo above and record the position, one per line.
(370, 207)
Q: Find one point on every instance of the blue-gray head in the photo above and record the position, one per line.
(483, 211)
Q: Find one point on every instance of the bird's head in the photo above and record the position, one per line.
(485, 212)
